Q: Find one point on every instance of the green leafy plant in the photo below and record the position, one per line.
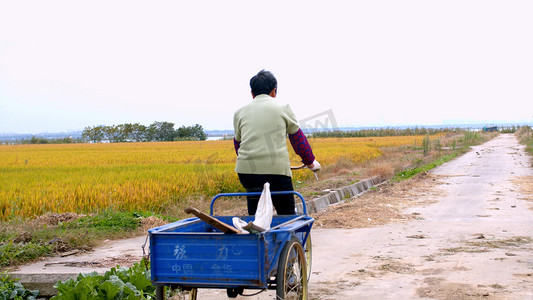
(118, 283)
(10, 288)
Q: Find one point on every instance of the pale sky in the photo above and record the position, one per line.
(65, 65)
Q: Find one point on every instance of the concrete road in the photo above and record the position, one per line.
(474, 241)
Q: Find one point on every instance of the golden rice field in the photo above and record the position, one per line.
(36, 179)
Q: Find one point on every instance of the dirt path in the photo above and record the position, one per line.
(470, 237)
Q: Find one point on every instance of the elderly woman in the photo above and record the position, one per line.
(261, 129)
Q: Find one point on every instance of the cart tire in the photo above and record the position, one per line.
(234, 292)
(193, 293)
(291, 280)
(160, 292)
(308, 249)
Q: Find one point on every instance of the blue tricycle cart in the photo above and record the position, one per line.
(191, 254)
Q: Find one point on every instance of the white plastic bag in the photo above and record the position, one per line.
(239, 224)
(264, 212)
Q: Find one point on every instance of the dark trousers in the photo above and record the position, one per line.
(284, 204)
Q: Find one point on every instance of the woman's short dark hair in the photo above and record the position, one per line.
(263, 83)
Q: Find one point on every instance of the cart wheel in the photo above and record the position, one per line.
(308, 255)
(193, 293)
(234, 292)
(160, 292)
(291, 281)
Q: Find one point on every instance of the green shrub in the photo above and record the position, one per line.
(425, 145)
(436, 145)
(471, 137)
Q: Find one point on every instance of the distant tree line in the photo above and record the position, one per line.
(155, 132)
(384, 132)
(41, 140)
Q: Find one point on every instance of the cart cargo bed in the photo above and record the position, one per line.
(193, 254)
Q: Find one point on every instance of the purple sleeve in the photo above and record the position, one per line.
(301, 147)
(237, 145)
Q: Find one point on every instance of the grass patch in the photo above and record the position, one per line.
(23, 241)
(109, 220)
(468, 138)
(11, 252)
(415, 171)
(525, 137)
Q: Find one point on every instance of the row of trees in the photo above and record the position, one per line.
(41, 140)
(384, 132)
(155, 132)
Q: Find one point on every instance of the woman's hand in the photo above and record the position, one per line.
(315, 166)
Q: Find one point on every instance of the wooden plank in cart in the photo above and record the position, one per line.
(212, 221)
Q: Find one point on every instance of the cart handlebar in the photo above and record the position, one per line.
(298, 167)
(259, 194)
(303, 167)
